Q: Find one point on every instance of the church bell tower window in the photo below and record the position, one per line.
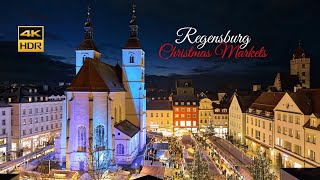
(131, 59)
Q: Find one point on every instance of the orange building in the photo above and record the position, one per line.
(185, 112)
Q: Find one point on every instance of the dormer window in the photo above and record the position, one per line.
(30, 99)
(188, 103)
(258, 111)
(35, 90)
(9, 100)
(84, 58)
(131, 59)
(250, 110)
(186, 84)
(267, 113)
(313, 122)
(30, 90)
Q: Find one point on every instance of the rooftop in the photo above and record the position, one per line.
(127, 128)
(159, 105)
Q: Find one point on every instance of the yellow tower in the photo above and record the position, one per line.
(300, 65)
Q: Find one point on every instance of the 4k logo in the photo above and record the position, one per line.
(30, 39)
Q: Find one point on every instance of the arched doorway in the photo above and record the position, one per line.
(279, 160)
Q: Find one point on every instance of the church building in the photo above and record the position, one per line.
(105, 109)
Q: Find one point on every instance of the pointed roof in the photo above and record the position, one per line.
(133, 41)
(96, 76)
(300, 53)
(127, 128)
(88, 44)
(246, 101)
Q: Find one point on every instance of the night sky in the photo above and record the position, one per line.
(275, 24)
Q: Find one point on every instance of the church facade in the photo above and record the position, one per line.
(105, 108)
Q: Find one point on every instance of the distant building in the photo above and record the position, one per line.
(260, 124)
(35, 118)
(159, 116)
(300, 65)
(237, 116)
(5, 132)
(185, 112)
(184, 86)
(285, 82)
(220, 119)
(205, 113)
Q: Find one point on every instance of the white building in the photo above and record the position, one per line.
(35, 118)
(5, 132)
(100, 97)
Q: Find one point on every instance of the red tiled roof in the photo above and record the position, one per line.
(267, 101)
(96, 76)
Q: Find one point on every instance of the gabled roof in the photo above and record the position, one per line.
(245, 101)
(96, 76)
(267, 101)
(88, 44)
(127, 128)
(308, 100)
(307, 125)
(159, 105)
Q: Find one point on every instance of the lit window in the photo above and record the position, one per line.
(120, 149)
(100, 136)
(81, 138)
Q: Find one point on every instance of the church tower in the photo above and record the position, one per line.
(87, 47)
(133, 78)
(300, 65)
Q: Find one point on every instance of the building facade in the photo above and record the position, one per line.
(221, 119)
(237, 116)
(103, 100)
(205, 113)
(185, 113)
(260, 124)
(5, 133)
(296, 129)
(159, 116)
(35, 119)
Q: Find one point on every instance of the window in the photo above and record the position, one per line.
(194, 109)
(257, 134)
(182, 109)
(36, 130)
(176, 115)
(120, 149)
(194, 116)
(36, 110)
(188, 116)
(81, 138)
(151, 115)
(3, 122)
(290, 118)
(279, 116)
(41, 128)
(297, 134)
(290, 132)
(36, 120)
(297, 149)
(167, 114)
(30, 121)
(30, 111)
(131, 58)
(24, 132)
(263, 125)
(3, 113)
(311, 154)
(297, 120)
(303, 66)
(30, 131)
(156, 114)
(182, 115)
(24, 112)
(3, 131)
(161, 114)
(99, 136)
(284, 117)
(279, 129)
(188, 109)
(51, 126)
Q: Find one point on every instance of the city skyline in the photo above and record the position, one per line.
(63, 33)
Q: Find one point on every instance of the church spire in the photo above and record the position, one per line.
(133, 22)
(133, 41)
(88, 29)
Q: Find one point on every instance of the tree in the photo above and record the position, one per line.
(260, 168)
(199, 168)
(99, 159)
(211, 129)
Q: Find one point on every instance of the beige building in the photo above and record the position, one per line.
(205, 113)
(237, 116)
(312, 135)
(300, 65)
(159, 116)
(5, 132)
(296, 129)
(220, 119)
(260, 123)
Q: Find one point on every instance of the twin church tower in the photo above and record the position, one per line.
(105, 110)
